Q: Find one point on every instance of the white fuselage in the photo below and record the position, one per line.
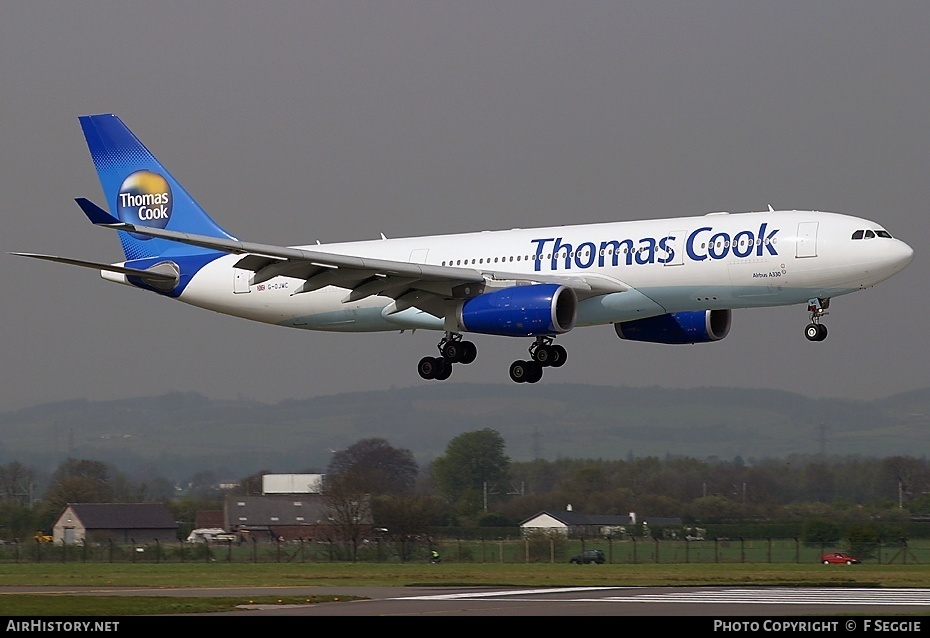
(715, 261)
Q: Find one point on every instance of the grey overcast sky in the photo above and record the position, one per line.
(297, 121)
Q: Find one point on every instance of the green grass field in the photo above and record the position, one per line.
(174, 575)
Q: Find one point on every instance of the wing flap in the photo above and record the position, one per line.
(376, 285)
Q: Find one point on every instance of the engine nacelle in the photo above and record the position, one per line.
(678, 327)
(522, 311)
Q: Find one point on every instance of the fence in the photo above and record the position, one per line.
(651, 550)
(549, 550)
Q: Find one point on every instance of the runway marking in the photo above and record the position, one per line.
(497, 594)
(756, 596)
(790, 596)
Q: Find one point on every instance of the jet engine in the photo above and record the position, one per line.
(522, 311)
(678, 327)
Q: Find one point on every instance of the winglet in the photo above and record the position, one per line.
(97, 215)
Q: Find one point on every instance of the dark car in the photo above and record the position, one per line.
(838, 558)
(588, 556)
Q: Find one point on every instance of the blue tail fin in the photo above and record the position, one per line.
(140, 191)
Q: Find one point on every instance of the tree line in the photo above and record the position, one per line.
(474, 483)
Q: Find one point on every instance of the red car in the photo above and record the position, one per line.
(838, 558)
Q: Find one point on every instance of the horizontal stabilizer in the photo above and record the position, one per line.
(149, 275)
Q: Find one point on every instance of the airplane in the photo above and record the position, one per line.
(667, 281)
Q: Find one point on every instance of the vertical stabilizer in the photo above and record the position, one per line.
(140, 191)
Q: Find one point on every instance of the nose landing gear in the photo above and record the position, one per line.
(816, 331)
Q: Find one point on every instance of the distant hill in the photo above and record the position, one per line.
(183, 433)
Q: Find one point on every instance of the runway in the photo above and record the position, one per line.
(696, 601)
(659, 602)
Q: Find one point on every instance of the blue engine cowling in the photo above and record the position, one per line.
(678, 327)
(522, 311)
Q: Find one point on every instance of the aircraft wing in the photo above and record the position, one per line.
(424, 286)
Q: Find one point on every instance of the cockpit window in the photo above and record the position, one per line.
(869, 234)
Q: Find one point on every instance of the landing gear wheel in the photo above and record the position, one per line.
(812, 332)
(535, 372)
(815, 332)
(543, 355)
(428, 367)
(525, 371)
(453, 351)
(444, 371)
(546, 353)
(518, 371)
(469, 352)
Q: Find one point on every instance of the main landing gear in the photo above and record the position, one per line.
(544, 354)
(453, 350)
(816, 331)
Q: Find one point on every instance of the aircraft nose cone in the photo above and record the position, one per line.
(903, 255)
(890, 258)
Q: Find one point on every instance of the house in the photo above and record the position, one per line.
(576, 524)
(118, 522)
(285, 517)
(570, 523)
